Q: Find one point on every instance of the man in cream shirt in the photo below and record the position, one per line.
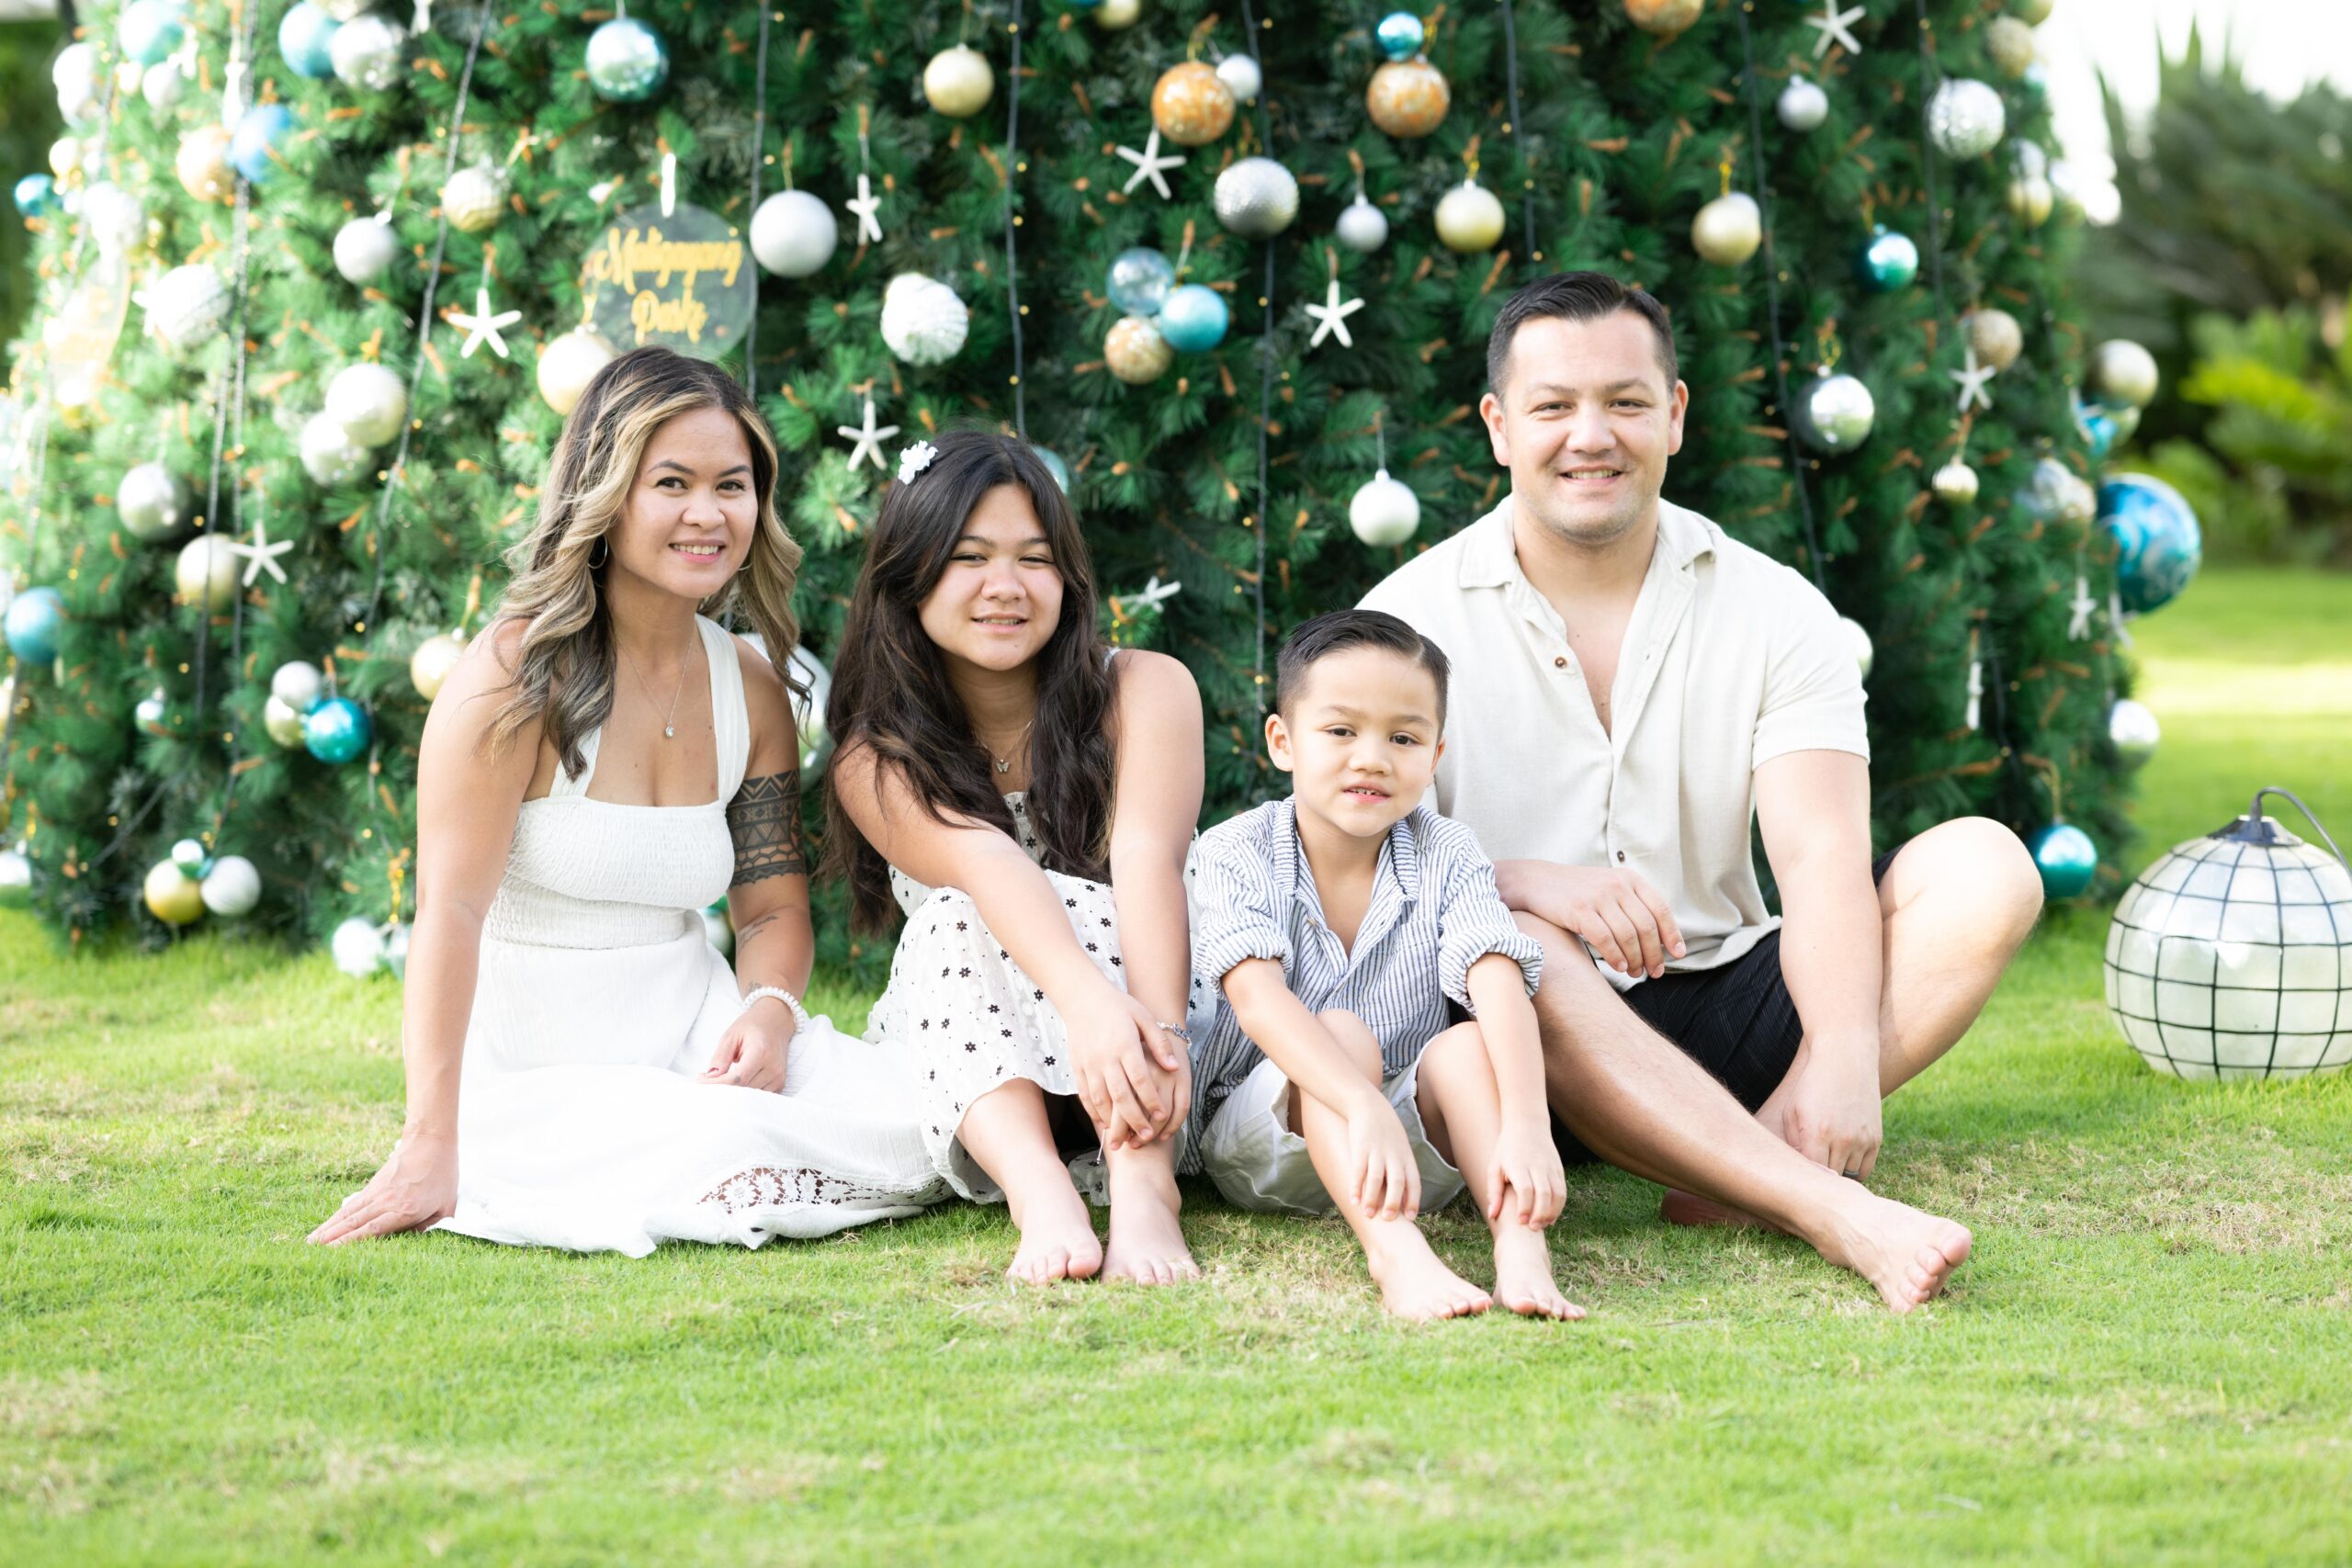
(1634, 688)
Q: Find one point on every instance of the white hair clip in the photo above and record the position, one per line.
(915, 460)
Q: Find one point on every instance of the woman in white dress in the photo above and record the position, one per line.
(1024, 796)
(584, 1068)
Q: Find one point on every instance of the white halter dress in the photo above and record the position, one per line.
(580, 1123)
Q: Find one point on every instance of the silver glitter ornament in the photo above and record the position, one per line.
(366, 52)
(923, 321)
(1801, 105)
(187, 305)
(1995, 336)
(364, 248)
(1834, 413)
(368, 401)
(328, 454)
(1256, 198)
(1966, 117)
(151, 503)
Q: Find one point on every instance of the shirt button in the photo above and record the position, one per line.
(1561, 662)
(1621, 857)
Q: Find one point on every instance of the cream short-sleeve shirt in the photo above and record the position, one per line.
(1731, 660)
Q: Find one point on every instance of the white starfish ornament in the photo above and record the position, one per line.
(866, 441)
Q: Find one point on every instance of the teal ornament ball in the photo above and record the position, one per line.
(2158, 544)
(150, 29)
(1194, 319)
(36, 196)
(1139, 280)
(305, 40)
(2067, 858)
(1401, 35)
(35, 622)
(254, 147)
(1888, 263)
(628, 62)
(337, 731)
(1053, 465)
(2098, 424)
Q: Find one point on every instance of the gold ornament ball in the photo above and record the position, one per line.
(283, 722)
(1192, 105)
(1955, 484)
(1113, 15)
(1728, 229)
(958, 82)
(1995, 336)
(569, 364)
(1136, 352)
(1469, 219)
(2030, 199)
(1407, 98)
(203, 164)
(174, 897)
(207, 573)
(431, 663)
(2033, 13)
(2008, 44)
(1664, 18)
(472, 200)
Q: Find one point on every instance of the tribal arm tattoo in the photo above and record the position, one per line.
(764, 821)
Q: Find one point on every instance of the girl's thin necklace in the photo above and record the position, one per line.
(1004, 764)
(669, 721)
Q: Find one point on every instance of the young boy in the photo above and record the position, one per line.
(1329, 931)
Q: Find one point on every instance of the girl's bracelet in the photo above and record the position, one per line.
(1177, 1030)
(799, 1013)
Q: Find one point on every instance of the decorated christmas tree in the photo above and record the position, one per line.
(318, 283)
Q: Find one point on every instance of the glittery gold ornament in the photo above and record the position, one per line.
(569, 364)
(173, 897)
(2030, 199)
(1664, 18)
(207, 572)
(1955, 484)
(1994, 335)
(1407, 98)
(430, 665)
(1469, 218)
(202, 164)
(473, 200)
(1136, 351)
(1728, 229)
(1190, 104)
(958, 82)
(2008, 44)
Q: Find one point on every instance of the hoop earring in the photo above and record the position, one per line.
(596, 564)
(746, 566)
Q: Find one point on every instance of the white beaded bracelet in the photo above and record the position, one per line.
(799, 1013)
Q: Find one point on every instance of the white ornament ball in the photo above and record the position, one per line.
(1728, 229)
(1469, 219)
(958, 82)
(1384, 510)
(366, 52)
(1363, 227)
(569, 364)
(1241, 77)
(1966, 117)
(328, 454)
(922, 320)
(473, 200)
(794, 234)
(187, 305)
(2123, 372)
(2134, 731)
(1256, 198)
(1862, 643)
(430, 665)
(396, 949)
(364, 248)
(298, 685)
(1801, 105)
(151, 503)
(1117, 16)
(116, 219)
(233, 888)
(1956, 484)
(1834, 413)
(368, 401)
(77, 77)
(207, 572)
(163, 88)
(358, 948)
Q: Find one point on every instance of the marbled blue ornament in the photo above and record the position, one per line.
(253, 148)
(628, 62)
(1139, 280)
(337, 731)
(1194, 319)
(2158, 544)
(1053, 465)
(1401, 35)
(150, 29)
(36, 196)
(2099, 426)
(2067, 858)
(1888, 263)
(305, 36)
(36, 620)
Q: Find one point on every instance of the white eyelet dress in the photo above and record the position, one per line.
(974, 1020)
(580, 1123)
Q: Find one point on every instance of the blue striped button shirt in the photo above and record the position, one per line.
(1433, 913)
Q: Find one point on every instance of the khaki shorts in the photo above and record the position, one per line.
(1260, 1164)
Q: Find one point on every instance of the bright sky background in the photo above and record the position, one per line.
(2285, 43)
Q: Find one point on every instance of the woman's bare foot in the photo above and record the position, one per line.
(1057, 1240)
(1907, 1253)
(1146, 1240)
(1523, 1276)
(1414, 1284)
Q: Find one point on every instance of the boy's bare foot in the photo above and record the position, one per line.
(1907, 1253)
(1146, 1240)
(1414, 1285)
(1057, 1241)
(1523, 1276)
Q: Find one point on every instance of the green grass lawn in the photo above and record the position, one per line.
(2149, 1360)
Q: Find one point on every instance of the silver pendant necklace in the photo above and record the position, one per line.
(668, 720)
(1004, 764)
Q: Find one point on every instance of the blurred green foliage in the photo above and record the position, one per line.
(28, 124)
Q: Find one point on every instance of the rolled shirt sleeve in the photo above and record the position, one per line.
(1234, 917)
(1473, 921)
(1812, 685)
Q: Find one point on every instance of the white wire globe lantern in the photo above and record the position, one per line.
(2230, 957)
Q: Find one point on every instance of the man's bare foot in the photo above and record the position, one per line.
(1907, 1253)
(1146, 1240)
(1689, 1209)
(1523, 1276)
(1057, 1241)
(1414, 1285)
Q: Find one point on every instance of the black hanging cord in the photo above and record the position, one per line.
(1928, 164)
(1518, 133)
(1265, 375)
(1011, 210)
(758, 151)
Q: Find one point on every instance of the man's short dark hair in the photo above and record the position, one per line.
(1342, 629)
(1577, 297)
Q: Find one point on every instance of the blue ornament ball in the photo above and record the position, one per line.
(337, 731)
(1140, 281)
(628, 62)
(150, 29)
(1194, 319)
(2065, 857)
(1888, 263)
(1401, 35)
(2099, 428)
(305, 36)
(36, 195)
(1053, 465)
(2158, 543)
(253, 146)
(36, 620)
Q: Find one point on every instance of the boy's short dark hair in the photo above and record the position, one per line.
(1576, 297)
(1342, 629)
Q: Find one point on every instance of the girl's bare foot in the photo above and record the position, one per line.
(1413, 1284)
(1057, 1240)
(1523, 1276)
(1146, 1240)
(1907, 1253)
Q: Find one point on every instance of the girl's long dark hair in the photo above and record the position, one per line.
(891, 693)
